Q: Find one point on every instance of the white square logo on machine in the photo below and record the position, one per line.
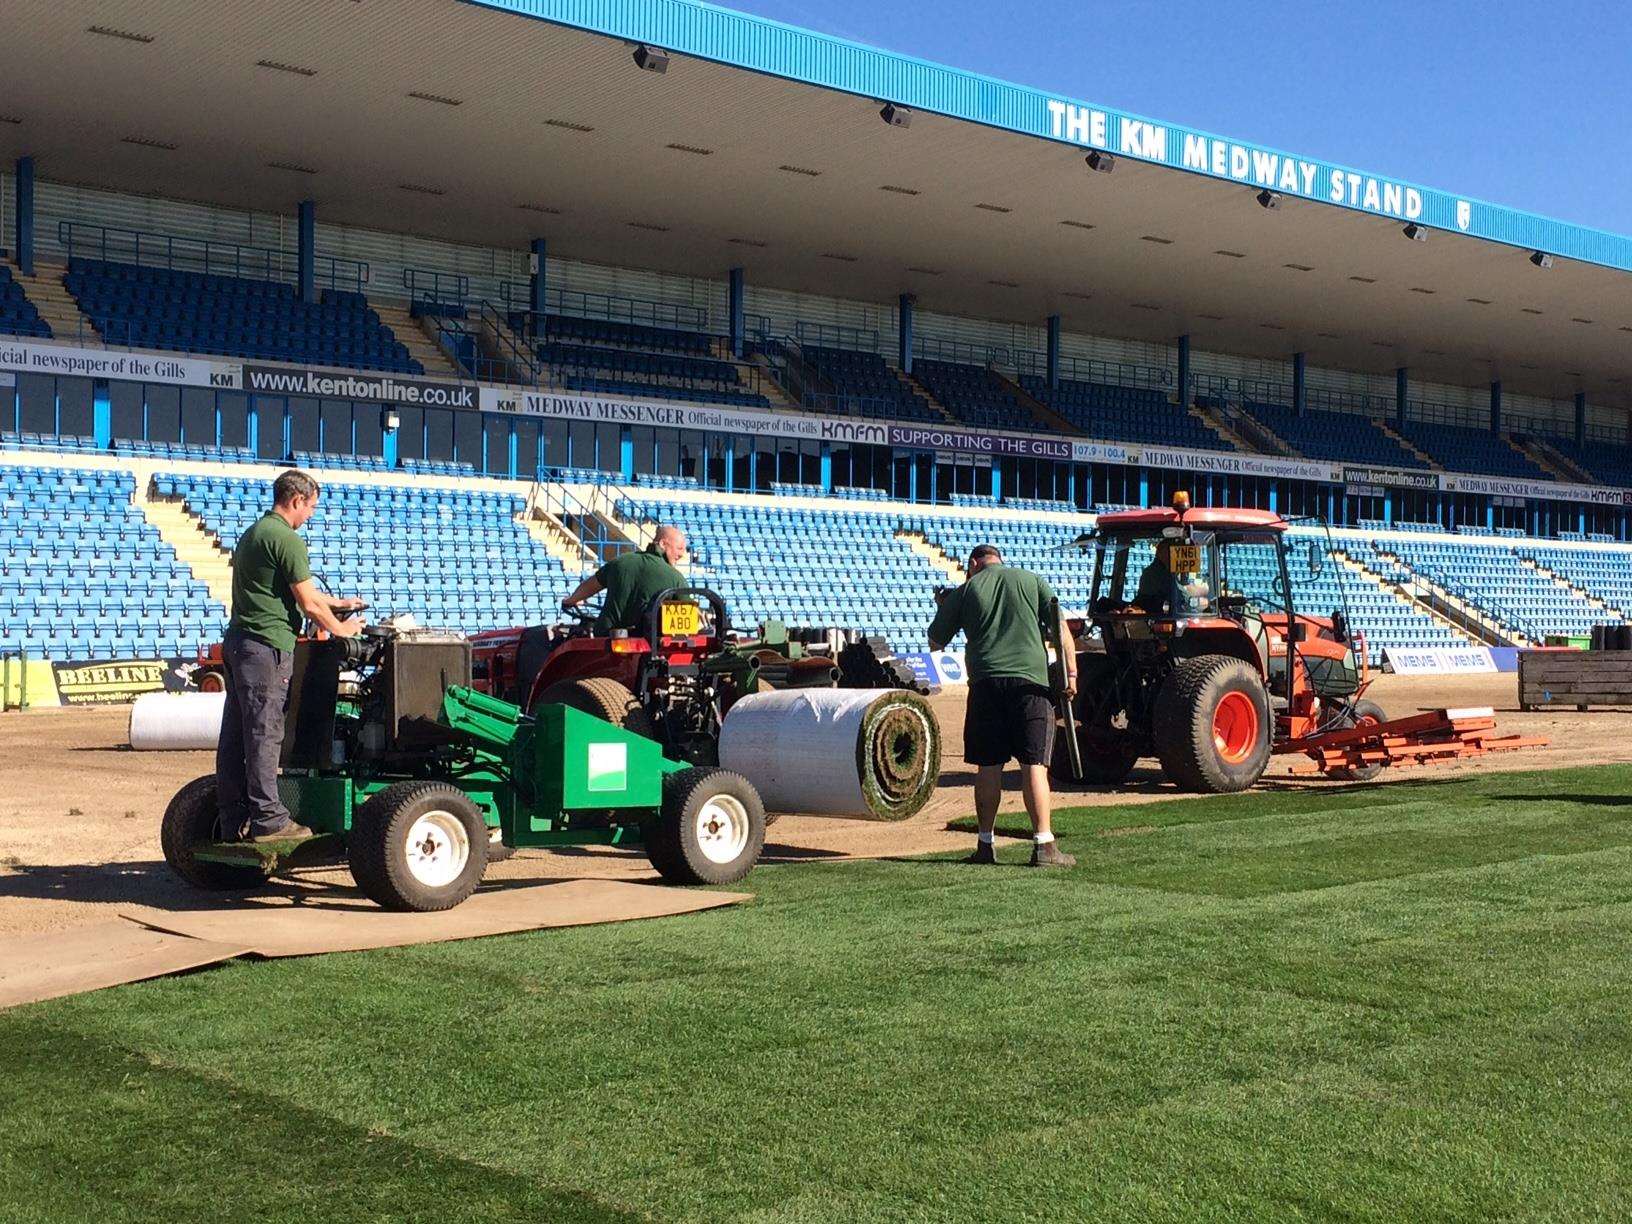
(608, 767)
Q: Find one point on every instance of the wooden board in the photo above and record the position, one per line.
(1574, 679)
(52, 964)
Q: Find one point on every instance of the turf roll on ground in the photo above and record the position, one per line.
(835, 752)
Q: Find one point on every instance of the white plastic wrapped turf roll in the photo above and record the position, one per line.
(835, 752)
(160, 721)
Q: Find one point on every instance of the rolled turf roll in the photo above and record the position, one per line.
(835, 752)
(161, 721)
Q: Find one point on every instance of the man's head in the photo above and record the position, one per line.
(983, 555)
(671, 543)
(294, 497)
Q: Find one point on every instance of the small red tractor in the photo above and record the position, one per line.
(674, 681)
(1205, 660)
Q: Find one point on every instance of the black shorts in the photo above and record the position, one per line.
(1008, 716)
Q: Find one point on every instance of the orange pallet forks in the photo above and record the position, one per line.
(1430, 738)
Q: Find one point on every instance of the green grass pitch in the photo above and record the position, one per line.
(1406, 1002)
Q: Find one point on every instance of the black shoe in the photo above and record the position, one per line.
(290, 831)
(1049, 854)
(985, 853)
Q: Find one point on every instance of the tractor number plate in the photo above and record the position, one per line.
(680, 619)
(1184, 558)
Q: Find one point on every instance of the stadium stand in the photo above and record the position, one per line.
(1606, 461)
(1344, 437)
(1597, 573)
(1124, 414)
(195, 312)
(861, 384)
(972, 394)
(1458, 448)
(18, 316)
(371, 540)
(84, 575)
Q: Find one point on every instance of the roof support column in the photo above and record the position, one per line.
(25, 216)
(1053, 352)
(537, 251)
(1300, 392)
(1402, 385)
(1580, 418)
(1496, 406)
(1184, 371)
(734, 305)
(306, 249)
(904, 332)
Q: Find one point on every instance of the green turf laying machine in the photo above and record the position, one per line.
(416, 780)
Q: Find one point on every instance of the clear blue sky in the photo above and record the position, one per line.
(1519, 102)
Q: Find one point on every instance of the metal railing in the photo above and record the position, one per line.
(836, 335)
(614, 308)
(429, 285)
(502, 355)
(933, 348)
(1095, 370)
(111, 244)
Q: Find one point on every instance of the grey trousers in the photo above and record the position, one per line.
(246, 755)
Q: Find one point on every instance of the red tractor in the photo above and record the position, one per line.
(672, 682)
(1197, 652)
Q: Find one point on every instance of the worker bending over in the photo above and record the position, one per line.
(631, 581)
(1000, 610)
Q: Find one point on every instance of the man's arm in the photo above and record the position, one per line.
(336, 604)
(945, 625)
(319, 609)
(587, 589)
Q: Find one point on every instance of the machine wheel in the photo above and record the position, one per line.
(1212, 725)
(710, 830)
(190, 821)
(604, 698)
(209, 680)
(1365, 713)
(1108, 756)
(418, 846)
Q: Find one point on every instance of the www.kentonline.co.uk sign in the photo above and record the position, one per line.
(384, 388)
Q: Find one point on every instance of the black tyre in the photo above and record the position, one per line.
(1108, 753)
(1212, 725)
(710, 830)
(419, 846)
(1364, 711)
(189, 822)
(604, 698)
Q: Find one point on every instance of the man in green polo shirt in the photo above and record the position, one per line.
(272, 591)
(1000, 610)
(631, 581)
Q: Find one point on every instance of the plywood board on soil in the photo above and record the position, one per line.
(348, 922)
(52, 964)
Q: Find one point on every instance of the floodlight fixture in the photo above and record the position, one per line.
(1268, 199)
(1541, 259)
(1104, 163)
(1415, 232)
(651, 59)
(896, 116)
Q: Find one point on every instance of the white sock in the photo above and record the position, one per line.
(1042, 839)
(984, 839)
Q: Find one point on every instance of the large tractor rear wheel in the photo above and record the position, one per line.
(710, 829)
(1363, 713)
(1212, 725)
(418, 847)
(1108, 752)
(606, 699)
(190, 822)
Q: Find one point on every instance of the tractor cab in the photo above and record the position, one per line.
(1202, 648)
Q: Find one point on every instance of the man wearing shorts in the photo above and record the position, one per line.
(1000, 611)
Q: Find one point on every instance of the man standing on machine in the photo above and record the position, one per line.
(272, 589)
(631, 581)
(1000, 610)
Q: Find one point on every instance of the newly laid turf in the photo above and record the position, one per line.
(1393, 1003)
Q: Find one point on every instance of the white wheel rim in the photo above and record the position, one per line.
(722, 829)
(437, 849)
